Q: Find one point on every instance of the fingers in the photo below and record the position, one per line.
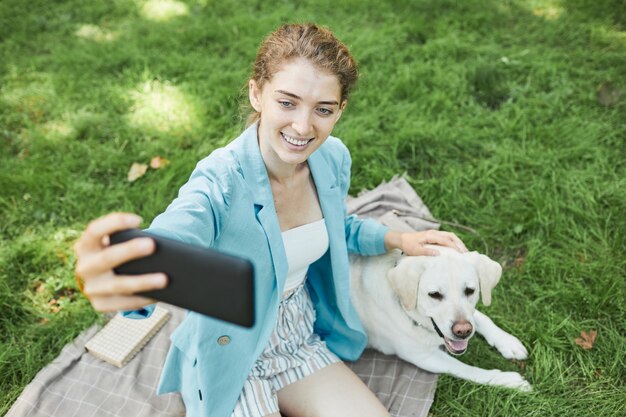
(459, 243)
(415, 243)
(97, 230)
(116, 292)
(117, 303)
(445, 239)
(104, 260)
(96, 260)
(123, 285)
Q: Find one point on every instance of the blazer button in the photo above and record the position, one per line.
(223, 340)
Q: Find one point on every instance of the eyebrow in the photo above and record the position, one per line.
(287, 93)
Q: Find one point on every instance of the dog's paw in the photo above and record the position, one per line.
(510, 347)
(511, 380)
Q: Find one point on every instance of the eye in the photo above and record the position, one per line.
(324, 111)
(436, 295)
(285, 103)
(469, 291)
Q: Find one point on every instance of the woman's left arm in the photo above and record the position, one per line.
(368, 237)
(413, 243)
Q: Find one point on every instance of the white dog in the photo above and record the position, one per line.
(412, 306)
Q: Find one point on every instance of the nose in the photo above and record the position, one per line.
(302, 123)
(462, 328)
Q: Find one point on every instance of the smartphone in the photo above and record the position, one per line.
(200, 279)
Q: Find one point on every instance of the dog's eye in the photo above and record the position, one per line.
(469, 291)
(436, 295)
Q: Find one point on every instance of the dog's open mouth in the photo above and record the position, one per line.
(456, 347)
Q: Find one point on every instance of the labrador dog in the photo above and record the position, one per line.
(419, 307)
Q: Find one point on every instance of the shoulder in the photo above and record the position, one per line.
(335, 152)
(224, 164)
(334, 145)
(220, 166)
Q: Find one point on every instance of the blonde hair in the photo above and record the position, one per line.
(311, 42)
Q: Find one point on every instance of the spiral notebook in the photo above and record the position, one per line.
(121, 338)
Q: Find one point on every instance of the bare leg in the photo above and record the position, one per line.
(332, 391)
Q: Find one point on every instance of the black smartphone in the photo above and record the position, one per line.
(203, 280)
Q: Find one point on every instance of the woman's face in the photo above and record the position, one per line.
(299, 107)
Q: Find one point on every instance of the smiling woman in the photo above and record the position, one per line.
(275, 195)
(300, 108)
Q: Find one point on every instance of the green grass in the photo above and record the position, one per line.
(490, 107)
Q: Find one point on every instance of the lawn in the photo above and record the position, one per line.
(508, 117)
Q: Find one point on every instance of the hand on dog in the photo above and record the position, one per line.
(414, 243)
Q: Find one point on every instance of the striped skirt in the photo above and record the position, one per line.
(293, 352)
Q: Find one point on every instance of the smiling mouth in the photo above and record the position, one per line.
(455, 347)
(295, 142)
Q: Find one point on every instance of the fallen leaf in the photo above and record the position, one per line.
(137, 171)
(44, 320)
(608, 94)
(586, 340)
(158, 162)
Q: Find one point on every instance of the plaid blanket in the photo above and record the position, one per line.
(76, 384)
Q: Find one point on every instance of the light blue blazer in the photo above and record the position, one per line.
(227, 204)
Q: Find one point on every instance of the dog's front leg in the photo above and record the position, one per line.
(508, 345)
(440, 362)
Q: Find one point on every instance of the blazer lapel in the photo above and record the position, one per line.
(328, 191)
(255, 173)
(330, 199)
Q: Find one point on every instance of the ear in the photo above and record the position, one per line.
(489, 273)
(404, 279)
(254, 94)
(342, 107)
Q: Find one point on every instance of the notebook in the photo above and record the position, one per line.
(121, 338)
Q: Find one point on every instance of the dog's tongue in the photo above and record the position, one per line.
(458, 346)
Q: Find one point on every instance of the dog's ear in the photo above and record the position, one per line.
(404, 279)
(489, 273)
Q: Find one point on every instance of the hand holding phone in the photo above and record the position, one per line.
(200, 279)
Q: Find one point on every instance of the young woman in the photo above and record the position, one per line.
(275, 195)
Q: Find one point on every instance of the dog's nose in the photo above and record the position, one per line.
(462, 328)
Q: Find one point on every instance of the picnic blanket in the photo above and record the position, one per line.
(76, 384)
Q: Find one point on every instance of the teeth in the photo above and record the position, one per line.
(294, 141)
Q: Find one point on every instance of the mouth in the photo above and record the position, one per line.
(455, 347)
(294, 143)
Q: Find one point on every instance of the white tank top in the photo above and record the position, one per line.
(303, 245)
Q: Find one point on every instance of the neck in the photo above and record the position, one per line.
(415, 323)
(277, 170)
(283, 174)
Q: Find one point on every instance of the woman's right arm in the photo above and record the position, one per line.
(196, 216)
(96, 258)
